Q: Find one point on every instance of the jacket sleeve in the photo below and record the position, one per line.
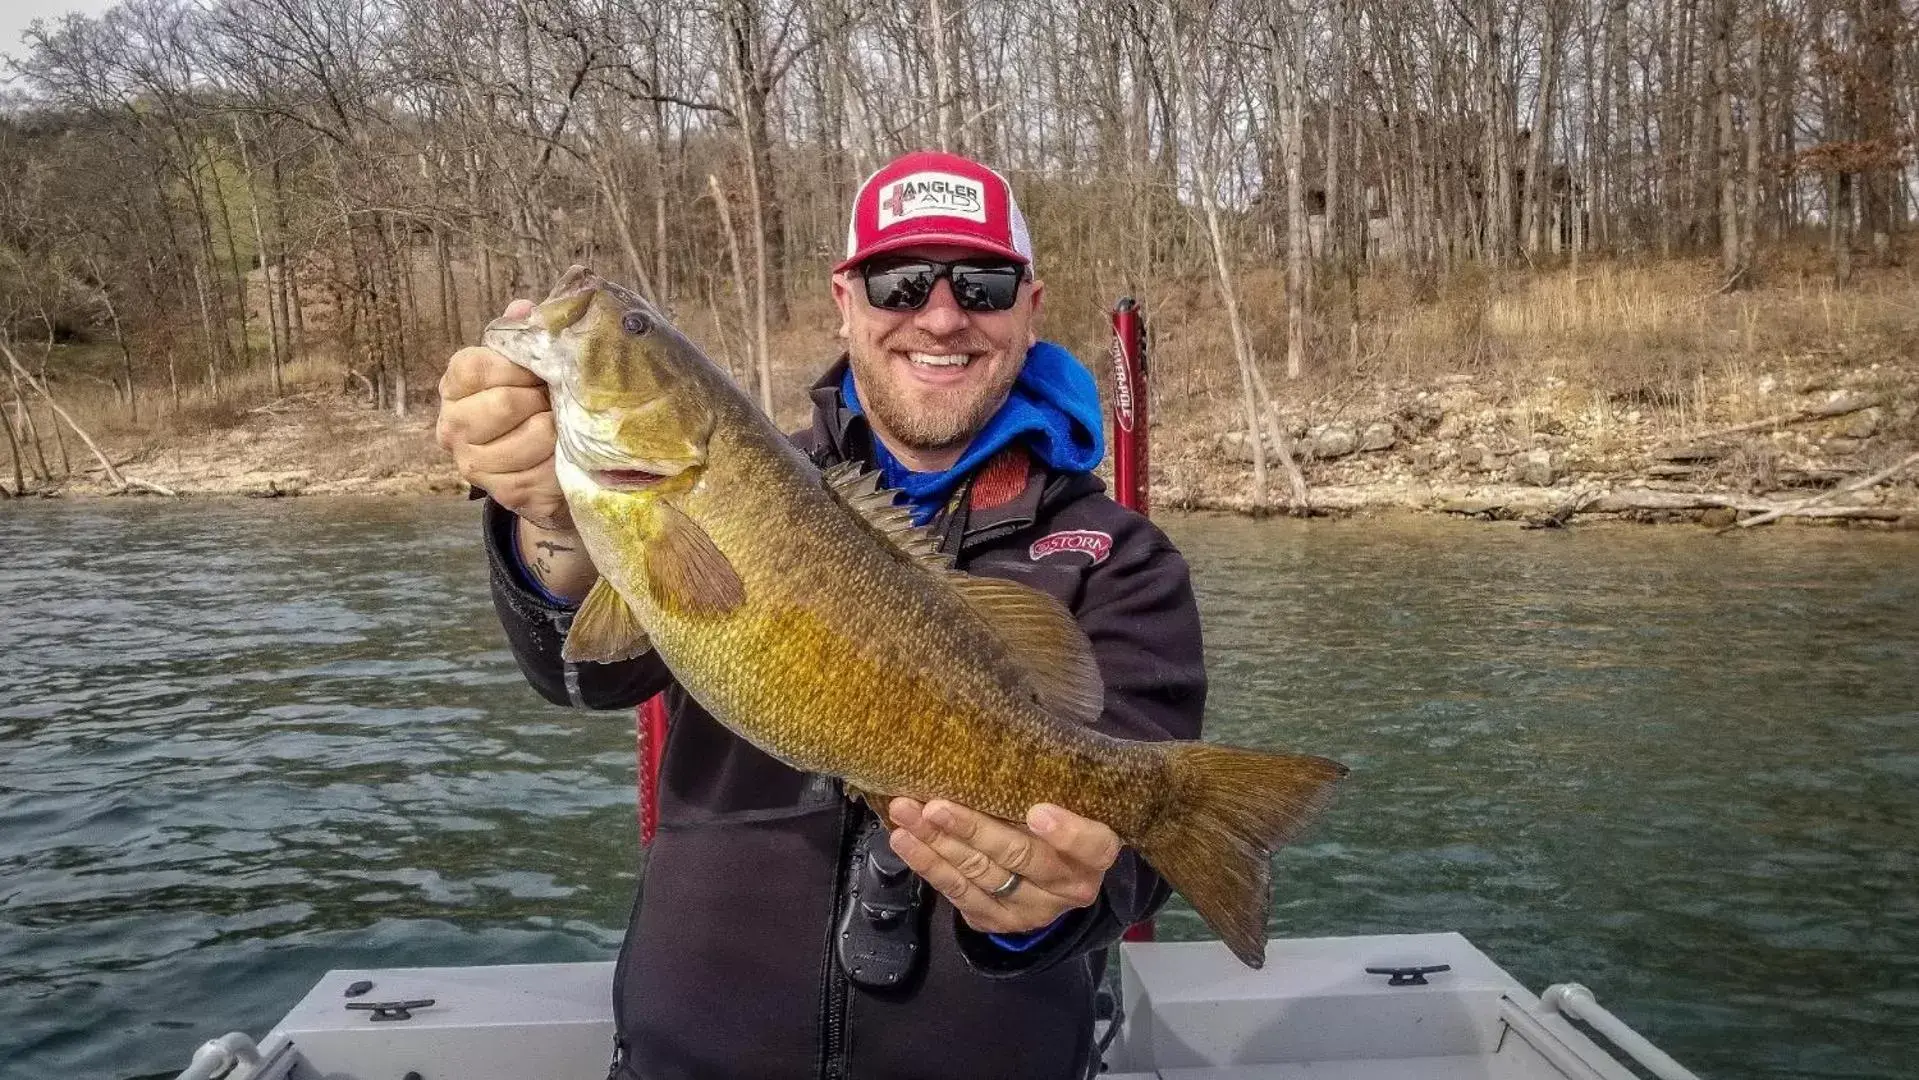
(536, 628)
(1138, 611)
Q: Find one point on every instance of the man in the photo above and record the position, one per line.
(777, 934)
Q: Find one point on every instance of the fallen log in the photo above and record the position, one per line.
(1563, 515)
(1845, 406)
(1624, 500)
(1639, 499)
(148, 485)
(1804, 507)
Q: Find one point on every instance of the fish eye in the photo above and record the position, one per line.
(635, 323)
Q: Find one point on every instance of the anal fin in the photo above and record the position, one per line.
(605, 629)
(875, 803)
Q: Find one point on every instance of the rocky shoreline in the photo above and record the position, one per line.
(1454, 447)
(1548, 454)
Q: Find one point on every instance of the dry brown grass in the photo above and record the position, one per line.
(1620, 346)
(1608, 340)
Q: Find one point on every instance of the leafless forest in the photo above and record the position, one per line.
(198, 194)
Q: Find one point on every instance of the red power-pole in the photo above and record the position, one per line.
(1131, 462)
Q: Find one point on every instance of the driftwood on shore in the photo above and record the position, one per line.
(119, 480)
(1844, 406)
(1806, 507)
(1563, 514)
(1526, 505)
(1627, 500)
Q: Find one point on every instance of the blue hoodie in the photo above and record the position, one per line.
(1053, 408)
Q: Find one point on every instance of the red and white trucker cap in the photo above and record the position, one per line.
(931, 197)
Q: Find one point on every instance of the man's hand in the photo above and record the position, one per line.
(1060, 857)
(497, 421)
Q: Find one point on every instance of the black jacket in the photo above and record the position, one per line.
(728, 968)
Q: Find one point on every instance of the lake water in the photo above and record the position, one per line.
(242, 743)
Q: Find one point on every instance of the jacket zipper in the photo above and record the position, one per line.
(833, 1040)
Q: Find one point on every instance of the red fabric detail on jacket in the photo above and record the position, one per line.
(1002, 480)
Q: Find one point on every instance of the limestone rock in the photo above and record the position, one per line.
(1336, 440)
(1839, 402)
(1537, 468)
(1378, 436)
(1423, 413)
(1691, 452)
(1863, 425)
(1718, 517)
(1478, 459)
(1235, 446)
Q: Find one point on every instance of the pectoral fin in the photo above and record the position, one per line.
(605, 629)
(1044, 640)
(685, 572)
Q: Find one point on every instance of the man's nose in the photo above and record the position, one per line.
(941, 316)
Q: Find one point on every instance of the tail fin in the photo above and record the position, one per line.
(1231, 809)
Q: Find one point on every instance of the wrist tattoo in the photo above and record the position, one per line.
(549, 545)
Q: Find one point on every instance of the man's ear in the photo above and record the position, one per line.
(1035, 295)
(843, 299)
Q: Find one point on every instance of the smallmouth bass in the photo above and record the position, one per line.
(805, 612)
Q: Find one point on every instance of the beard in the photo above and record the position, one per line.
(921, 417)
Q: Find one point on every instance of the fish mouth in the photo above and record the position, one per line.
(625, 479)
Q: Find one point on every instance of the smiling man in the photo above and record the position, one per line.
(779, 933)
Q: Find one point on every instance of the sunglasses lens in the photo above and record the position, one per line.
(899, 288)
(991, 288)
(906, 286)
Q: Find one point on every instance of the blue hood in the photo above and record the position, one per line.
(1053, 409)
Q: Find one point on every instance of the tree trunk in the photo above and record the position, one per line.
(13, 450)
(1297, 240)
(206, 324)
(942, 77)
(1727, 150)
(720, 201)
(275, 356)
(1539, 187)
(1336, 112)
(233, 260)
(1842, 215)
(1755, 124)
(120, 339)
(283, 281)
(751, 106)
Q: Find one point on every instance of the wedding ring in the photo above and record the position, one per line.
(1006, 890)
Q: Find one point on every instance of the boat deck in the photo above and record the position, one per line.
(1189, 1012)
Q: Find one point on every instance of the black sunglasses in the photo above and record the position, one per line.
(905, 284)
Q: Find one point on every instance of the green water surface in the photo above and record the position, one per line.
(242, 743)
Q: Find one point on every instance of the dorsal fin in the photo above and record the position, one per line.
(1044, 640)
(859, 490)
(1042, 637)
